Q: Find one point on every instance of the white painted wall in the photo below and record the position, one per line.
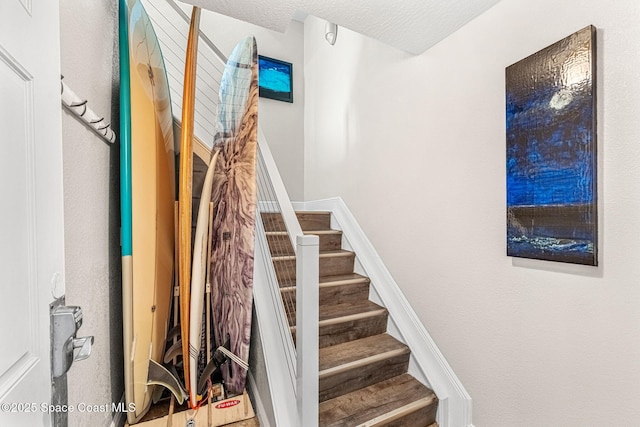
(282, 122)
(416, 147)
(91, 194)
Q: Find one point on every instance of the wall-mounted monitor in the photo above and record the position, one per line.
(276, 79)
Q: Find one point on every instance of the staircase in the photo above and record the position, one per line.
(363, 377)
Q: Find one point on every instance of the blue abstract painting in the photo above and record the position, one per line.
(275, 79)
(551, 153)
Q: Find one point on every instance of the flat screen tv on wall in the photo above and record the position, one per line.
(276, 79)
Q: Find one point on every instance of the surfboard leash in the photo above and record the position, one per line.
(244, 365)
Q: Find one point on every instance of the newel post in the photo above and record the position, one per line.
(307, 314)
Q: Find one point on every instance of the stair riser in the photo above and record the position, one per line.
(362, 376)
(281, 245)
(344, 294)
(314, 221)
(308, 221)
(351, 293)
(330, 242)
(285, 270)
(329, 266)
(424, 417)
(335, 265)
(349, 330)
(352, 330)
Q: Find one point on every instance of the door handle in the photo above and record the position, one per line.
(66, 347)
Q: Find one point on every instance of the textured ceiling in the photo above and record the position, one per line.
(409, 25)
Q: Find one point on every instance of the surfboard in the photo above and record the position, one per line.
(147, 207)
(198, 274)
(186, 189)
(234, 195)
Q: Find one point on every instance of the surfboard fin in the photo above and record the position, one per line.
(159, 375)
(173, 333)
(173, 352)
(217, 360)
(157, 394)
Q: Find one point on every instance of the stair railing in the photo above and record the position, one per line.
(277, 215)
(292, 370)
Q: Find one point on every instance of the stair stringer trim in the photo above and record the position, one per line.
(455, 403)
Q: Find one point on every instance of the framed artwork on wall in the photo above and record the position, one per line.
(551, 152)
(275, 79)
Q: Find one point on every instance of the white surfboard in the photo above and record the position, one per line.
(198, 274)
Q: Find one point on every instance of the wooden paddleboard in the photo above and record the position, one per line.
(186, 189)
(147, 206)
(234, 196)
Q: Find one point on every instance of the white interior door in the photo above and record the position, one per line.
(31, 213)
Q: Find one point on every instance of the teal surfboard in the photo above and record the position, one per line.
(148, 194)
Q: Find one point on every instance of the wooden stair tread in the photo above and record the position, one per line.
(328, 281)
(313, 213)
(349, 366)
(310, 232)
(339, 252)
(346, 321)
(279, 243)
(381, 403)
(337, 357)
(333, 313)
(331, 263)
(341, 279)
(327, 254)
(346, 288)
(309, 220)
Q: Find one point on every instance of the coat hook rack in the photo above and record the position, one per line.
(79, 108)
